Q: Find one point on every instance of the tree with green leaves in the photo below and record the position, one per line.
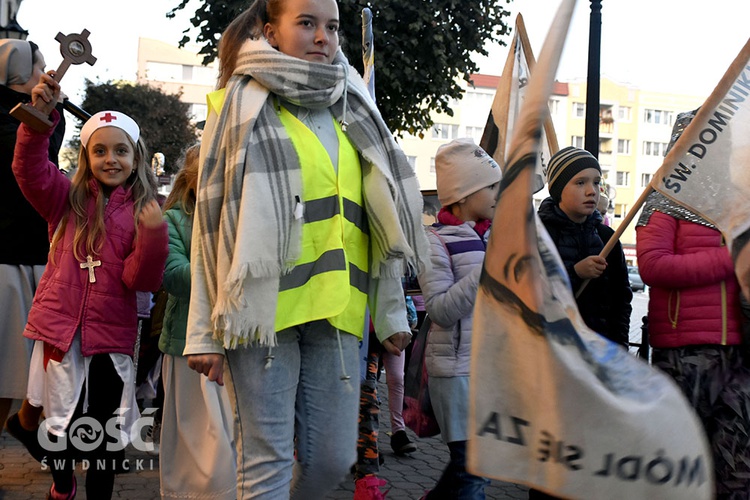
(422, 48)
(164, 119)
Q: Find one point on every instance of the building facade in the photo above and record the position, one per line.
(634, 130)
(175, 71)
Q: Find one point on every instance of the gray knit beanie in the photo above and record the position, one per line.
(463, 168)
(564, 165)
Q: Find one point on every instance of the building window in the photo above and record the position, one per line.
(169, 72)
(658, 117)
(432, 165)
(199, 111)
(163, 72)
(645, 180)
(623, 113)
(554, 106)
(651, 148)
(623, 146)
(579, 109)
(620, 210)
(576, 141)
(622, 179)
(444, 131)
(475, 133)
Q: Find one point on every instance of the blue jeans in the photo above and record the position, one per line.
(456, 483)
(299, 402)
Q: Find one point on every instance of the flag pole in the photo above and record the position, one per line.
(549, 127)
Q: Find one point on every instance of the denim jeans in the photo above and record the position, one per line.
(456, 483)
(298, 402)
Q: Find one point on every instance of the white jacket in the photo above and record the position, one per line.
(449, 291)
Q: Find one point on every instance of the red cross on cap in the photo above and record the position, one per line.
(108, 117)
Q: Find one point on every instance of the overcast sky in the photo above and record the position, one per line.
(671, 45)
(680, 46)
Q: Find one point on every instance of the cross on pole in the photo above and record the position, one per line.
(90, 264)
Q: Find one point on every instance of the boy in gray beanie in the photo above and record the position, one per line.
(571, 217)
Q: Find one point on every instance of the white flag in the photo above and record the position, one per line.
(506, 106)
(554, 405)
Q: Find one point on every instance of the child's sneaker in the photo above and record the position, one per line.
(368, 488)
(401, 444)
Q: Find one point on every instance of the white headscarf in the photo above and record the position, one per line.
(16, 62)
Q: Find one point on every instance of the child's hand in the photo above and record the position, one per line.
(210, 365)
(591, 267)
(45, 94)
(150, 215)
(397, 342)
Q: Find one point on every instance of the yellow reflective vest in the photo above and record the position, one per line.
(330, 279)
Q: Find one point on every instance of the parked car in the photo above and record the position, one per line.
(636, 283)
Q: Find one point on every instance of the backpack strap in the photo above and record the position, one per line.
(442, 241)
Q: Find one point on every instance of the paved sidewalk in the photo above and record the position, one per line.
(22, 478)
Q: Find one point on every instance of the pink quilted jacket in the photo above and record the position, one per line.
(105, 310)
(694, 294)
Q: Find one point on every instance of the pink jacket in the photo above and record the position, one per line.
(65, 300)
(694, 294)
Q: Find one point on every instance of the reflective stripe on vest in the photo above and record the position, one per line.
(330, 279)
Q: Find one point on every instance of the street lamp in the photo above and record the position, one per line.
(593, 79)
(13, 30)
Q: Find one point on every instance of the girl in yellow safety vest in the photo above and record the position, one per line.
(307, 213)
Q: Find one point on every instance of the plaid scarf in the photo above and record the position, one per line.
(250, 185)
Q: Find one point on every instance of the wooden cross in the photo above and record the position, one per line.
(75, 49)
(90, 264)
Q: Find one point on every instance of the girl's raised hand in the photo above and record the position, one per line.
(150, 215)
(45, 94)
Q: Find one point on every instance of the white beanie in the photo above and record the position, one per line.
(463, 168)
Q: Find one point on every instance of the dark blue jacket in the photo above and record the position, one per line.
(605, 302)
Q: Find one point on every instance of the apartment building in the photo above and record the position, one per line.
(176, 70)
(634, 130)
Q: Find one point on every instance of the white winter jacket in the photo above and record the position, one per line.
(449, 291)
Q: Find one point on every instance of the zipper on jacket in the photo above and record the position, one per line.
(673, 319)
(724, 318)
(723, 313)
